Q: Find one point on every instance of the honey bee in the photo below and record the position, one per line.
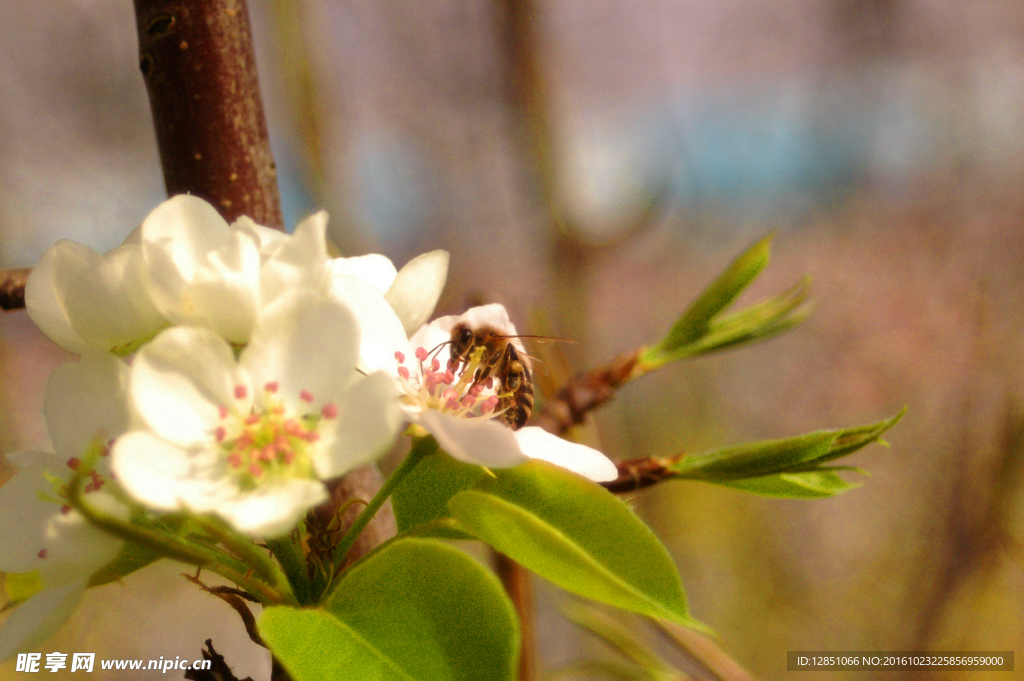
(504, 357)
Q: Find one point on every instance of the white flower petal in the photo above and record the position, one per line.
(376, 269)
(367, 422)
(477, 441)
(76, 547)
(299, 262)
(414, 293)
(162, 475)
(33, 621)
(267, 240)
(537, 443)
(45, 290)
(382, 333)
(224, 295)
(108, 303)
(304, 341)
(181, 379)
(176, 238)
(23, 515)
(85, 401)
(273, 510)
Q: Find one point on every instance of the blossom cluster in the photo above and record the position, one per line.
(230, 370)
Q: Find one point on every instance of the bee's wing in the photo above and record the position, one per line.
(523, 343)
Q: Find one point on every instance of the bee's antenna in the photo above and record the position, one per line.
(437, 348)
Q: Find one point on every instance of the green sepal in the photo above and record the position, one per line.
(129, 558)
(424, 493)
(575, 534)
(20, 586)
(414, 609)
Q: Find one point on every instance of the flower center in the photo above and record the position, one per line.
(439, 390)
(270, 444)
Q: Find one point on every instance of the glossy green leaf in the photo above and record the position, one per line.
(809, 485)
(313, 645)
(424, 493)
(576, 534)
(428, 610)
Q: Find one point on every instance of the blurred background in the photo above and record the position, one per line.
(592, 165)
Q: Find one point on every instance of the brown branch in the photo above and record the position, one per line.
(12, 287)
(200, 70)
(585, 393)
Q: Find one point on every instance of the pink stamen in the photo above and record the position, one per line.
(222, 411)
(435, 364)
(330, 411)
(305, 396)
(240, 392)
(271, 387)
(65, 509)
(42, 553)
(312, 436)
(430, 381)
(449, 377)
(403, 372)
(255, 470)
(235, 460)
(468, 401)
(400, 356)
(421, 353)
(489, 404)
(220, 433)
(74, 463)
(252, 419)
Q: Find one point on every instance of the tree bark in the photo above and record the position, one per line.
(197, 59)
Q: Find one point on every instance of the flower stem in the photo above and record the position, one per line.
(171, 546)
(421, 447)
(251, 554)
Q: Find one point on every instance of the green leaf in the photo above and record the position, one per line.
(576, 534)
(428, 610)
(809, 485)
(313, 645)
(755, 459)
(717, 296)
(803, 454)
(424, 493)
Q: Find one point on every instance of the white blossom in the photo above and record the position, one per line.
(251, 439)
(82, 299)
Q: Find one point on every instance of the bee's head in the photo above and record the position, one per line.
(462, 341)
